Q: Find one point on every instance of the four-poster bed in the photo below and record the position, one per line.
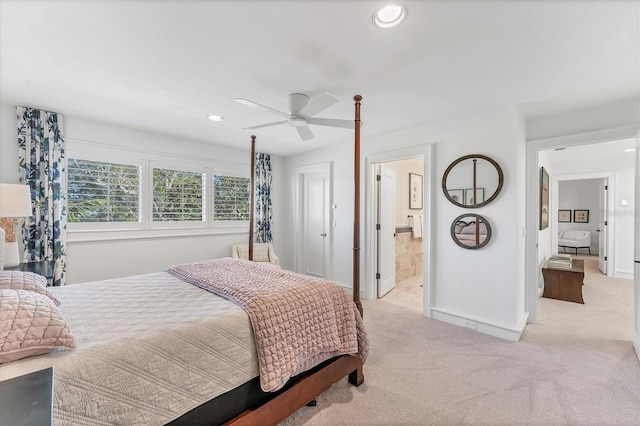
(151, 346)
(313, 384)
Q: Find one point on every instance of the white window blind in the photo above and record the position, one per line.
(103, 192)
(178, 196)
(230, 197)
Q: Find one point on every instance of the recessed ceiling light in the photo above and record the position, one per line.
(389, 16)
(214, 117)
(629, 150)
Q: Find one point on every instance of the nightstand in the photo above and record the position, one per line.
(45, 268)
(28, 399)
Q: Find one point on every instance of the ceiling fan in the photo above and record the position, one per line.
(301, 113)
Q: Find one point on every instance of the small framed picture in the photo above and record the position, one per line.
(564, 215)
(457, 195)
(581, 216)
(470, 200)
(544, 199)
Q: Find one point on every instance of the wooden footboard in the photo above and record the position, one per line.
(302, 392)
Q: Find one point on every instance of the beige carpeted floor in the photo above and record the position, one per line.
(577, 367)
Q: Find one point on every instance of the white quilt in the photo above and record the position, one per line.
(150, 348)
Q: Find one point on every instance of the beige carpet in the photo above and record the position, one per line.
(576, 367)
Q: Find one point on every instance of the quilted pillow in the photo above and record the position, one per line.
(18, 280)
(30, 324)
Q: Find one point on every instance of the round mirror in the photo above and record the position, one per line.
(471, 231)
(472, 181)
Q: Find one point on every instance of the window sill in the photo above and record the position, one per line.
(77, 236)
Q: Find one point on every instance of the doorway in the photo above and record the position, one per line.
(620, 204)
(583, 208)
(399, 234)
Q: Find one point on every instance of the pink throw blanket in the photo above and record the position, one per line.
(298, 321)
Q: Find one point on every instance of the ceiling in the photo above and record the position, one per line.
(165, 65)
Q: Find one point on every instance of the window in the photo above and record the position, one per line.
(231, 198)
(103, 192)
(178, 196)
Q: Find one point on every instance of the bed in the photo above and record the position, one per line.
(168, 347)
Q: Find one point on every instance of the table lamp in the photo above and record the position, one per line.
(15, 204)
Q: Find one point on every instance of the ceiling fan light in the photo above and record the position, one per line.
(389, 16)
(214, 117)
(298, 122)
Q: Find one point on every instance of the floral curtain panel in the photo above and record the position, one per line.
(264, 215)
(43, 167)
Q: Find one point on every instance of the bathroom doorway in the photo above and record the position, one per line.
(399, 218)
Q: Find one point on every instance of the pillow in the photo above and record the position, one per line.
(19, 280)
(30, 324)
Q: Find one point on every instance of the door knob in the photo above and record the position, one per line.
(323, 234)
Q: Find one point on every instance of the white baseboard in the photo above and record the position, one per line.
(484, 327)
(623, 274)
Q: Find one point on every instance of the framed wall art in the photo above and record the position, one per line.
(544, 199)
(415, 191)
(581, 216)
(564, 215)
(456, 195)
(469, 198)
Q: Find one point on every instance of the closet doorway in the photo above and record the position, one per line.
(399, 219)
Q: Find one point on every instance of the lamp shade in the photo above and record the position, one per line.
(15, 200)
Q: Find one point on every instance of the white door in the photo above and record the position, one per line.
(315, 224)
(386, 232)
(603, 226)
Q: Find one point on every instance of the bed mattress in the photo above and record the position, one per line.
(150, 348)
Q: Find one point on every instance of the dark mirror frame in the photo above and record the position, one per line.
(467, 157)
(478, 218)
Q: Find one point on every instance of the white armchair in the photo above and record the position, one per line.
(262, 253)
(575, 239)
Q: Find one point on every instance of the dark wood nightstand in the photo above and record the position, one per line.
(28, 399)
(45, 268)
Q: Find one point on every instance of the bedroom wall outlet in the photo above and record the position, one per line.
(470, 324)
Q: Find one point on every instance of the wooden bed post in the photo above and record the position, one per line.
(356, 208)
(253, 194)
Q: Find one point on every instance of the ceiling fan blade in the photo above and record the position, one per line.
(332, 122)
(257, 105)
(259, 126)
(305, 133)
(318, 103)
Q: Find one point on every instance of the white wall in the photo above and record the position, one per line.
(110, 258)
(624, 221)
(483, 286)
(610, 115)
(583, 194)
